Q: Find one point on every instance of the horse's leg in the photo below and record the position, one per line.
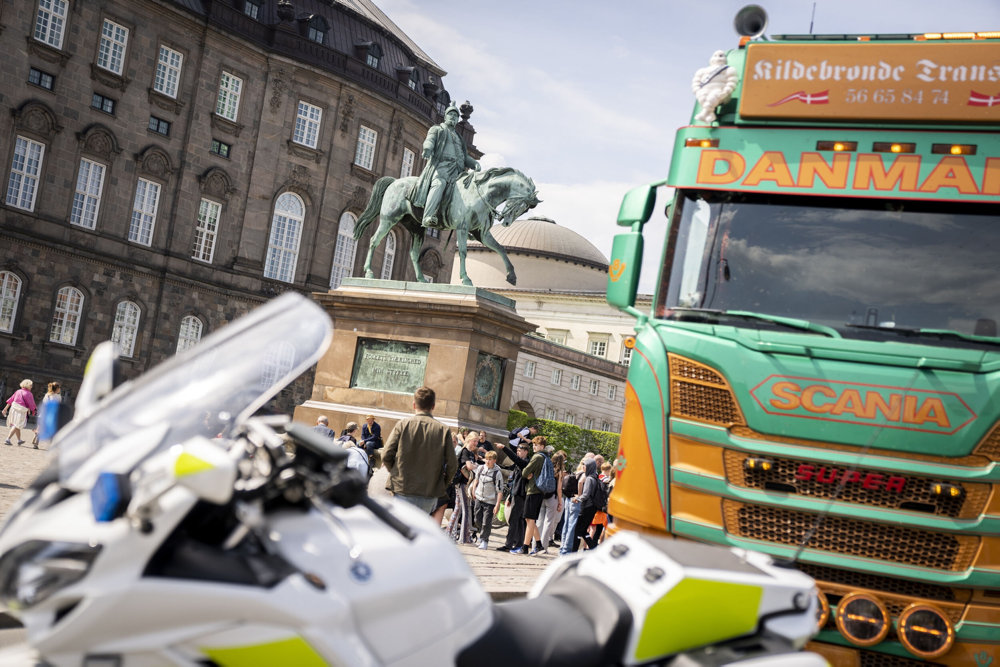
(462, 239)
(491, 243)
(387, 222)
(416, 243)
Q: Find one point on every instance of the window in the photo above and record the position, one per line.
(364, 155)
(147, 198)
(343, 253)
(126, 328)
(10, 294)
(627, 356)
(434, 232)
(588, 423)
(595, 387)
(50, 22)
(102, 103)
(571, 419)
(605, 426)
(159, 126)
(598, 348)
(414, 79)
(283, 244)
(550, 414)
(612, 392)
(556, 376)
(307, 125)
(227, 104)
(317, 30)
(374, 56)
(557, 335)
(24, 173)
(190, 332)
(66, 319)
(252, 9)
(41, 79)
(529, 369)
(409, 158)
(168, 72)
(575, 383)
(87, 199)
(111, 51)
(389, 258)
(220, 148)
(205, 230)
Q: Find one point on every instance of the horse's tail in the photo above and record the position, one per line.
(374, 204)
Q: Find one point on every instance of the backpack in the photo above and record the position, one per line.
(600, 499)
(484, 475)
(546, 481)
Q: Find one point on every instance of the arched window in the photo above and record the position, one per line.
(190, 333)
(10, 294)
(283, 246)
(343, 254)
(389, 258)
(126, 327)
(66, 319)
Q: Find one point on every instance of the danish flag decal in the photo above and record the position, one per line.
(981, 100)
(822, 97)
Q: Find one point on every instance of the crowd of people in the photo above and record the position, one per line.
(471, 485)
(21, 405)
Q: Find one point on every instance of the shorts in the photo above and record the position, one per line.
(532, 506)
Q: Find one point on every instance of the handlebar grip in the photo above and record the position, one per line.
(316, 443)
(389, 518)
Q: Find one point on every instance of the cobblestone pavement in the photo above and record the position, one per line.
(503, 575)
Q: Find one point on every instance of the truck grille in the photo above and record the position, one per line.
(698, 392)
(878, 583)
(848, 536)
(916, 494)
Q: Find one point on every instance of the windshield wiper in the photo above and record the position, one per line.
(938, 333)
(790, 322)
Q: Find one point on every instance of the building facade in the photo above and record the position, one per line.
(171, 164)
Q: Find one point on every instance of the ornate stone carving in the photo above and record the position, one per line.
(36, 117)
(46, 52)
(215, 182)
(346, 114)
(226, 125)
(397, 135)
(155, 162)
(278, 86)
(165, 102)
(109, 79)
(299, 150)
(100, 141)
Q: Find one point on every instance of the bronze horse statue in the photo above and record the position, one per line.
(471, 210)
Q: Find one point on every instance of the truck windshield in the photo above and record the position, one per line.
(863, 267)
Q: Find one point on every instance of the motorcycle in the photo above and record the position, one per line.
(179, 524)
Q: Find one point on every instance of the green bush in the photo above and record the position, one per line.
(575, 440)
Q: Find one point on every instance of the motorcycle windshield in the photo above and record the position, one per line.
(205, 390)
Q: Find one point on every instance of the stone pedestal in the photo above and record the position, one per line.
(391, 337)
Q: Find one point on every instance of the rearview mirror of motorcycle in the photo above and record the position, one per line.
(204, 468)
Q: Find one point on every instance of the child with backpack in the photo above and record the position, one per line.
(541, 480)
(487, 485)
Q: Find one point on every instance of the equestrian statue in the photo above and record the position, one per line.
(442, 198)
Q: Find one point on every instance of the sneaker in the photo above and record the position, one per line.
(483, 545)
(8, 442)
(20, 442)
(518, 550)
(535, 552)
(503, 547)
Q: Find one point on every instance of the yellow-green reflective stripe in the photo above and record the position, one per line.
(187, 464)
(294, 651)
(697, 612)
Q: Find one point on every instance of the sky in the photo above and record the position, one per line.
(585, 97)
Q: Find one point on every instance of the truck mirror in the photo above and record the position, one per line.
(623, 271)
(637, 206)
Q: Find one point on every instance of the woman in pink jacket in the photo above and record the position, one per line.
(18, 407)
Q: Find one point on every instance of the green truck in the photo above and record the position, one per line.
(819, 376)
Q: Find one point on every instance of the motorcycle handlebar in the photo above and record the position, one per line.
(388, 518)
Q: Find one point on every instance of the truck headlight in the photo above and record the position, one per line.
(33, 571)
(925, 631)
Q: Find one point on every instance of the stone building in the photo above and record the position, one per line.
(572, 368)
(171, 164)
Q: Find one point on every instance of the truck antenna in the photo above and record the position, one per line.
(812, 19)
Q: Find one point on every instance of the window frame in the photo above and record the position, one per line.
(103, 103)
(78, 215)
(159, 123)
(308, 121)
(141, 230)
(66, 315)
(251, 8)
(556, 377)
(551, 414)
(529, 368)
(167, 75)
(612, 392)
(185, 340)
(220, 148)
(227, 100)
(598, 343)
(595, 387)
(10, 299)
(27, 181)
(341, 267)
(113, 48)
(285, 237)
(388, 256)
(408, 163)
(205, 234)
(127, 317)
(575, 382)
(364, 150)
(52, 26)
(41, 75)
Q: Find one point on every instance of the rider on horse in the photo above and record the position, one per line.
(447, 158)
